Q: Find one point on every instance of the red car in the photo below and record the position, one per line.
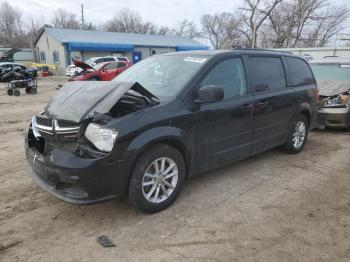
(101, 72)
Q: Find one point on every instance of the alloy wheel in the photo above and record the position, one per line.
(160, 180)
(299, 134)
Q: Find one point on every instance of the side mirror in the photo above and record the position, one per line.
(210, 93)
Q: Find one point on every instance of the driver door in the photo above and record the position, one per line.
(109, 71)
(224, 128)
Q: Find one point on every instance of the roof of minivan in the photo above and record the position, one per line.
(236, 50)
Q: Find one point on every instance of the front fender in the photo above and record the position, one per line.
(151, 136)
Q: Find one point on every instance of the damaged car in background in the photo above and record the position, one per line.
(105, 71)
(167, 118)
(333, 78)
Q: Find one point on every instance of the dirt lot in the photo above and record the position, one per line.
(272, 207)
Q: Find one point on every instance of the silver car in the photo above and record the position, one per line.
(333, 78)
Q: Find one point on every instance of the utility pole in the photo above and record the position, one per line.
(254, 36)
(82, 16)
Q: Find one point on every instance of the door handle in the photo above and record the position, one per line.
(246, 107)
(263, 104)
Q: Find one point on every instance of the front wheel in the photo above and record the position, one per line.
(157, 178)
(297, 136)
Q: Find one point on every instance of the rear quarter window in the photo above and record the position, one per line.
(299, 73)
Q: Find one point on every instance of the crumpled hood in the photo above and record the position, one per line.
(79, 100)
(82, 65)
(333, 87)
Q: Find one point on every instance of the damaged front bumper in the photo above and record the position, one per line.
(78, 180)
(334, 117)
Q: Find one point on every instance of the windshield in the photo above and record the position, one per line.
(89, 61)
(331, 71)
(98, 66)
(164, 76)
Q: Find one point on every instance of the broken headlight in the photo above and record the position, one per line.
(339, 100)
(102, 138)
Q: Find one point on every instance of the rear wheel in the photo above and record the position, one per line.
(10, 92)
(94, 79)
(157, 178)
(297, 136)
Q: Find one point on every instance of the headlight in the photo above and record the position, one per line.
(102, 138)
(339, 100)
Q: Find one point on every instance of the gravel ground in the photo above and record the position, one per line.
(271, 207)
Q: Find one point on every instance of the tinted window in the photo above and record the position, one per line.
(228, 74)
(122, 59)
(299, 72)
(121, 65)
(268, 71)
(97, 61)
(107, 59)
(111, 66)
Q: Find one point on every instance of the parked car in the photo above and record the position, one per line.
(101, 72)
(333, 78)
(14, 71)
(72, 70)
(167, 118)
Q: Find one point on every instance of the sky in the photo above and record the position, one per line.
(161, 12)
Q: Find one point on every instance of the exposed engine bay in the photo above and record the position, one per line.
(63, 122)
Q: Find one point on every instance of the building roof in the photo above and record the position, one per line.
(331, 60)
(26, 54)
(127, 39)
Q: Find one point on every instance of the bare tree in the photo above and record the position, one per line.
(186, 28)
(65, 20)
(253, 14)
(163, 30)
(326, 25)
(12, 33)
(299, 23)
(129, 21)
(214, 28)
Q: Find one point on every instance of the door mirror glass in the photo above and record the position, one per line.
(210, 93)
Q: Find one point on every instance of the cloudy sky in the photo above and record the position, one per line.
(163, 12)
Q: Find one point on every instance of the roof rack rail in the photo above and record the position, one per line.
(260, 49)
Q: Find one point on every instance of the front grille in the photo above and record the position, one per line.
(65, 123)
(43, 121)
(56, 131)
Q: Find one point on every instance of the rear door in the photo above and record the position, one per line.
(274, 103)
(224, 128)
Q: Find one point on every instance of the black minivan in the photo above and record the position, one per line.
(167, 118)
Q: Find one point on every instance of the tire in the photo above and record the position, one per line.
(138, 190)
(10, 92)
(16, 92)
(292, 146)
(94, 79)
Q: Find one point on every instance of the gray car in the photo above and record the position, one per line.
(333, 78)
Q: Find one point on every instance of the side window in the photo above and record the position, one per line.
(120, 65)
(229, 75)
(111, 66)
(299, 72)
(268, 72)
(108, 59)
(97, 61)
